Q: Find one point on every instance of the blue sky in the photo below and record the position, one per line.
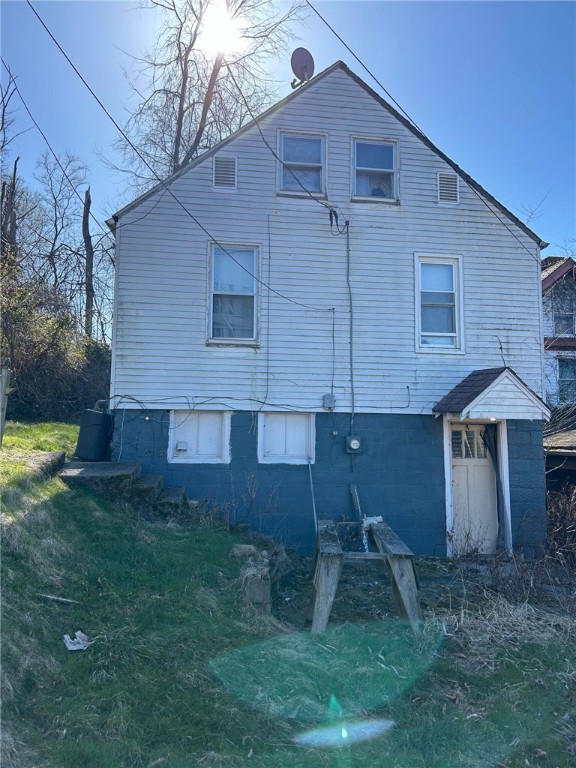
(493, 84)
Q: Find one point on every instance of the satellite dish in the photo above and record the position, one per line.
(302, 65)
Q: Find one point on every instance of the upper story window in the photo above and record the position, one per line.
(302, 168)
(439, 310)
(233, 300)
(375, 172)
(567, 380)
(565, 318)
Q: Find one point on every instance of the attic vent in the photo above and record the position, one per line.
(224, 171)
(447, 188)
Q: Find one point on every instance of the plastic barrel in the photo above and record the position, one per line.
(95, 435)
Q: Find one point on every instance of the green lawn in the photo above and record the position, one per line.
(181, 674)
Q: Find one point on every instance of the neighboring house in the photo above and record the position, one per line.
(559, 302)
(267, 356)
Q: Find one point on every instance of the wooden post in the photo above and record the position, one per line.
(327, 574)
(5, 390)
(402, 572)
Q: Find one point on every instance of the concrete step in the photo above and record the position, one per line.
(148, 488)
(172, 500)
(106, 477)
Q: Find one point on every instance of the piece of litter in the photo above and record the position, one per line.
(80, 642)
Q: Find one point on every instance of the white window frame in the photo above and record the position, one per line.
(283, 458)
(323, 171)
(455, 260)
(232, 341)
(395, 171)
(178, 418)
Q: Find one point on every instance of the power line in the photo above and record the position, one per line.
(372, 75)
(415, 125)
(331, 210)
(56, 158)
(160, 181)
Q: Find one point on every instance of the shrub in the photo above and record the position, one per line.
(562, 525)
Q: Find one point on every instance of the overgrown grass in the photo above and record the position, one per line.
(180, 674)
(52, 436)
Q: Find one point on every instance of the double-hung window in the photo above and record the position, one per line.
(564, 318)
(375, 174)
(233, 301)
(567, 380)
(438, 302)
(302, 167)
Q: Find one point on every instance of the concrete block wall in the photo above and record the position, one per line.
(527, 486)
(399, 473)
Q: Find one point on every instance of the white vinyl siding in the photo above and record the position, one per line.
(224, 172)
(374, 169)
(160, 317)
(233, 294)
(199, 437)
(438, 298)
(285, 438)
(302, 168)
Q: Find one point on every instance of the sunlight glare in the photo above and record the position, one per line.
(221, 33)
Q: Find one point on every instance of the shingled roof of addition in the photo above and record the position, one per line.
(468, 390)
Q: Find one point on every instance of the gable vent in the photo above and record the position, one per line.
(224, 171)
(447, 188)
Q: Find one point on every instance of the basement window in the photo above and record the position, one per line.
(199, 437)
(286, 438)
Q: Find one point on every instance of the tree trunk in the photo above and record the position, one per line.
(89, 266)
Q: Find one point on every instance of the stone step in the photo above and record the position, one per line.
(102, 476)
(149, 487)
(172, 500)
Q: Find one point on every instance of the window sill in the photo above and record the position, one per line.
(377, 200)
(302, 195)
(439, 351)
(191, 460)
(233, 343)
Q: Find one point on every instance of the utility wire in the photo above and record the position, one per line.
(372, 75)
(332, 211)
(415, 125)
(160, 181)
(55, 156)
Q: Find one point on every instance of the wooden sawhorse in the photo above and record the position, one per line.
(330, 558)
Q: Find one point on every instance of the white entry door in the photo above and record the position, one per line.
(474, 504)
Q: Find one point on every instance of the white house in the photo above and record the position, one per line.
(325, 299)
(559, 300)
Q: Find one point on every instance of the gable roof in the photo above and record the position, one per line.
(472, 390)
(370, 91)
(554, 268)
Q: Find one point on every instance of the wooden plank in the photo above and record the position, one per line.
(404, 588)
(328, 541)
(326, 581)
(358, 557)
(356, 501)
(327, 573)
(389, 542)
